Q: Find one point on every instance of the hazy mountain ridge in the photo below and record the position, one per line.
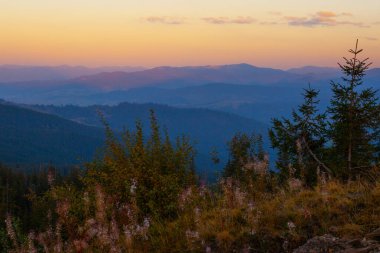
(19, 73)
(89, 90)
(175, 77)
(239, 91)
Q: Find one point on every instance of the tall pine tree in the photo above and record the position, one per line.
(300, 141)
(355, 120)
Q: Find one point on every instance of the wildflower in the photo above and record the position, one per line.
(80, 245)
(306, 213)
(31, 247)
(128, 237)
(285, 245)
(251, 206)
(114, 230)
(259, 166)
(86, 199)
(197, 212)
(295, 184)
(100, 205)
(10, 231)
(239, 196)
(146, 223)
(62, 209)
(291, 225)
(50, 177)
(92, 228)
(133, 186)
(184, 197)
(191, 235)
(202, 190)
(58, 245)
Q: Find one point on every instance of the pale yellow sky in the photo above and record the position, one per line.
(275, 33)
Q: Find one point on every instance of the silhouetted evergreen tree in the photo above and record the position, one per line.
(355, 120)
(300, 141)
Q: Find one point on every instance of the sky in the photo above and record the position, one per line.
(271, 33)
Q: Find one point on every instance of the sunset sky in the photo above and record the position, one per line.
(273, 33)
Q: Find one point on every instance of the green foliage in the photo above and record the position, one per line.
(300, 141)
(152, 170)
(243, 149)
(343, 142)
(355, 120)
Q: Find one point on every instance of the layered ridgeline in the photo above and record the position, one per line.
(20, 73)
(72, 134)
(33, 138)
(258, 93)
(208, 130)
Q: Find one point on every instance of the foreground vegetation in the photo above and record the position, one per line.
(261, 217)
(143, 195)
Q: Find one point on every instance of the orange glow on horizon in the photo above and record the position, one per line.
(145, 36)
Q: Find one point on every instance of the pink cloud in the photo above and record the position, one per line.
(165, 20)
(227, 20)
(323, 18)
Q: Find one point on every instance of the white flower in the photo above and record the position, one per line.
(133, 186)
(291, 225)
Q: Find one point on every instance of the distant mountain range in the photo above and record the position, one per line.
(123, 78)
(176, 77)
(17, 73)
(257, 93)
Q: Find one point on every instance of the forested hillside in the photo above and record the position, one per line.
(207, 129)
(68, 135)
(28, 137)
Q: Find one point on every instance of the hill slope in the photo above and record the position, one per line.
(29, 137)
(206, 128)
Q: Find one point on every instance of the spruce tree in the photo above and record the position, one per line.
(300, 141)
(355, 119)
(244, 149)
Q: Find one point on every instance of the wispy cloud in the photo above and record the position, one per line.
(227, 20)
(371, 38)
(166, 20)
(347, 14)
(323, 18)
